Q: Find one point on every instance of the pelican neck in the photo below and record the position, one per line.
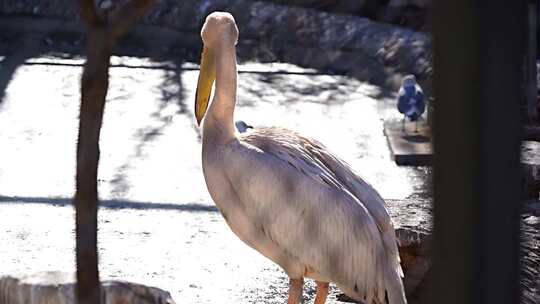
(219, 120)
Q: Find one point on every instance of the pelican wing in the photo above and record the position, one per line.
(316, 209)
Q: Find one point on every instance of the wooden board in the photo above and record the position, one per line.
(407, 147)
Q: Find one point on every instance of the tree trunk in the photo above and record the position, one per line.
(103, 31)
(94, 85)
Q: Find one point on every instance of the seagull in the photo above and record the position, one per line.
(287, 196)
(410, 100)
(242, 127)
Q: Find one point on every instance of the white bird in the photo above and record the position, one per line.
(289, 197)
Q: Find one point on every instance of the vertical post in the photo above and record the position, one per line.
(479, 57)
(532, 101)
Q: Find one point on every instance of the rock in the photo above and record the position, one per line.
(530, 168)
(532, 220)
(530, 258)
(533, 207)
(353, 7)
(59, 287)
(106, 5)
(403, 3)
(409, 13)
(538, 75)
(310, 38)
(415, 260)
(412, 220)
(343, 43)
(531, 132)
(51, 8)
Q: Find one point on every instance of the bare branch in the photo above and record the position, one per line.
(88, 12)
(123, 17)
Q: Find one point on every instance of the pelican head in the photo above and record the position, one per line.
(219, 31)
(219, 27)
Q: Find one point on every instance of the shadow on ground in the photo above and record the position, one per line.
(15, 50)
(113, 204)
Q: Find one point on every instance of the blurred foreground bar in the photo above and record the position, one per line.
(479, 88)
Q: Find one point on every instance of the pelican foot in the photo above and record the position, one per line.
(295, 291)
(322, 292)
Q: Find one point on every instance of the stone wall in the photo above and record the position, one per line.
(59, 287)
(368, 50)
(414, 14)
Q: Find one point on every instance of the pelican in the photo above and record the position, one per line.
(287, 196)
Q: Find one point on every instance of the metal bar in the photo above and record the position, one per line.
(479, 55)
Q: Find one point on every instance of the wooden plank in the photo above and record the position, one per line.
(407, 147)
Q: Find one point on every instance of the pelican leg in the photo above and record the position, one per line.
(322, 292)
(295, 291)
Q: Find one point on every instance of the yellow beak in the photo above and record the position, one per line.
(207, 75)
